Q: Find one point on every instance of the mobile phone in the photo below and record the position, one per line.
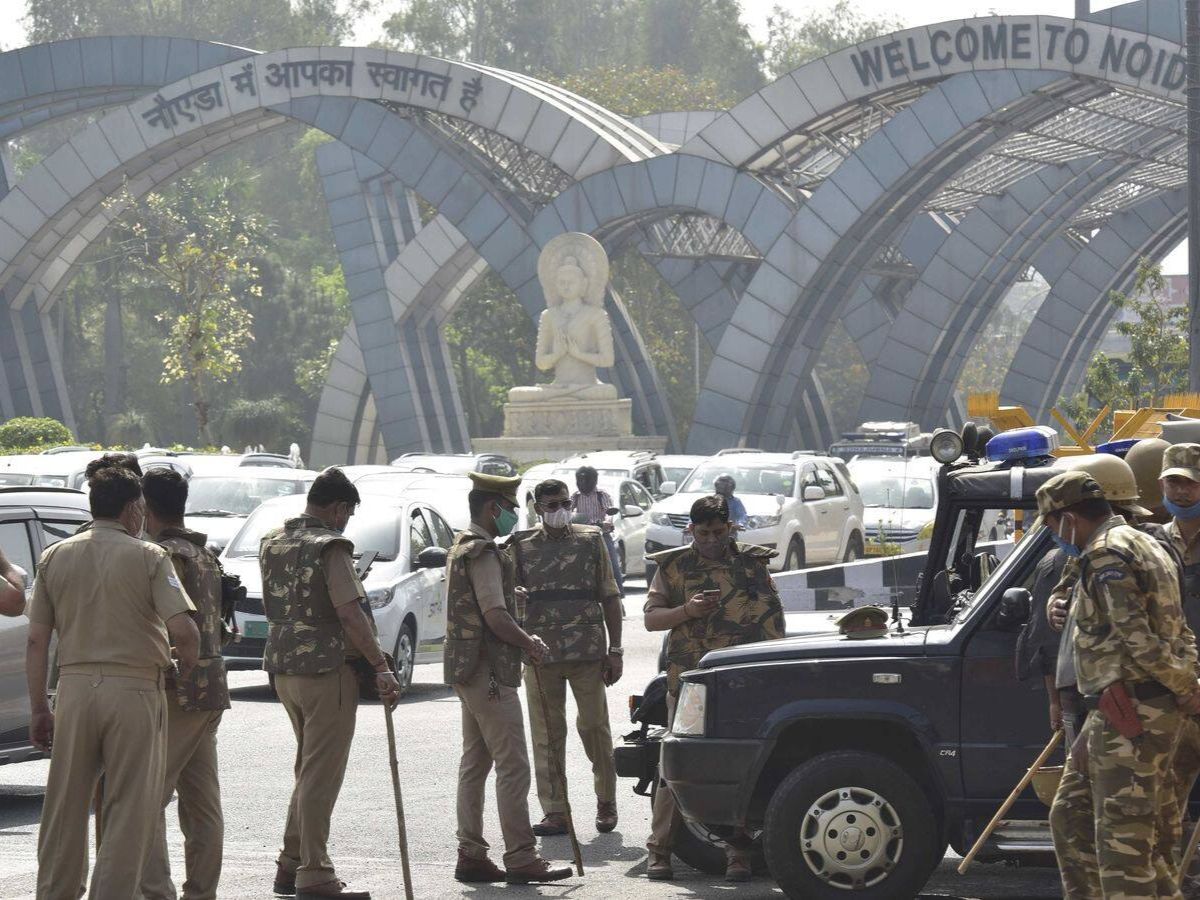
(711, 595)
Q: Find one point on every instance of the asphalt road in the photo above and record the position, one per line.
(256, 751)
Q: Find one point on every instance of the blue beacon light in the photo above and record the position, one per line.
(1036, 442)
(1118, 448)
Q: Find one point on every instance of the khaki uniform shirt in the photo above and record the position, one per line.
(1189, 550)
(487, 579)
(108, 595)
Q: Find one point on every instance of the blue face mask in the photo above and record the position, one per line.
(1182, 512)
(1063, 544)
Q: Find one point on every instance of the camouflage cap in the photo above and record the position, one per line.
(503, 485)
(1065, 490)
(864, 622)
(1182, 459)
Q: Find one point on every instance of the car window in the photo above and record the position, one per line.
(14, 540)
(627, 496)
(828, 482)
(54, 530)
(808, 477)
(419, 536)
(769, 478)
(640, 496)
(443, 533)
(238, 495)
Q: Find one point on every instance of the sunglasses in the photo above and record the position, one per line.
(552, 505)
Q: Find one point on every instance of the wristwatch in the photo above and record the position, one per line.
(616, 651)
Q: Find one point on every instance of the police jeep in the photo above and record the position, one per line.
(859, 761)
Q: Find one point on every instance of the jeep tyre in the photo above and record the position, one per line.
(850, 823)
(793, 560)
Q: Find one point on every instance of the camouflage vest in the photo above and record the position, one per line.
(749, 608)
(468, 639)
(562, 578)
(1190, 578)
(206, 687)
(304, 635)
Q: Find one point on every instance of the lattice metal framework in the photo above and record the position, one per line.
(696, 236)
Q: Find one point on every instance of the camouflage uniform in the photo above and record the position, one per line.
(749, 611)
(307, 572)
(1129, 628)
(193, 715)
(485, 672)
(569, 580)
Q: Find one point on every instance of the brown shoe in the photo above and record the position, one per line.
(737, 867)
(333, 888)
(554, 823)
(474, 869)
(536, 871)
(606, 816)
(659, 867)
(285, 881)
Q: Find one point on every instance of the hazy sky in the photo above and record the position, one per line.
(755, 12)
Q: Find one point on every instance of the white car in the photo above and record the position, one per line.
(900, 502)
(803, 505)
(218, 504)
(676, 468)
(641, 466)
(405, 585)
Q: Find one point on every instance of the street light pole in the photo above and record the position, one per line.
(1193, 161)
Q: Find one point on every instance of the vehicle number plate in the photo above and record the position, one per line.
(255, 629)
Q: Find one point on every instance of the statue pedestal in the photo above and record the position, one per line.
(551, 429)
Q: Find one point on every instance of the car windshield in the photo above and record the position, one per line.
(894, 491)
(372, 529)
(775, 479)
(568, 475)
(17, 478)
(676, 473)
(235, 495)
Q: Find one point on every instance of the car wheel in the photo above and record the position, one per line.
(854, 550)
(406, 657)
(850, 823)
(795, 555)
(702, 849)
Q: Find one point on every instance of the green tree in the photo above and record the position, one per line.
(642, 91)
(1156, 364)
(793, 40)
(195, 247)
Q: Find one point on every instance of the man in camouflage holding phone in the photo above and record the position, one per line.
(1135, 663)
(710, 594)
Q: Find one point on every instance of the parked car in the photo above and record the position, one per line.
(31, 519)
(676, 468)
(405, 585)
(218, 504)
(61, 469)
(900, 499)
(805, 506)
(457, 463)
(446, 493)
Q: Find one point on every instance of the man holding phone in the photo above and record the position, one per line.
(710, 594)
(574, 605)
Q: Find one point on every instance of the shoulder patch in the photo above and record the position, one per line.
(173, 581)
(1109, 573)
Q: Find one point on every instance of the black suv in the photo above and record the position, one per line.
(861, 760)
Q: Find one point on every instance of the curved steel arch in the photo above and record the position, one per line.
(1075, 314)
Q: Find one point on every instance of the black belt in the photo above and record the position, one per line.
(1140, 690)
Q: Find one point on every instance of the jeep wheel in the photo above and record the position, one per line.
(850, 823)
(854, 549)
(700, 848)
(795, 555)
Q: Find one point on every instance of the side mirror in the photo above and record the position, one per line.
(612, 511)
(814, 492)
(631, 511)
(431, 558)
(667, 488)
(1015, 606)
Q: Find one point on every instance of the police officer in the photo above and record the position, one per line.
(572, 601)
(714, 593)
(1180, 485)
(117, 606)
(483, 651)
(313, 597)
(1135, 663)
(194, 704)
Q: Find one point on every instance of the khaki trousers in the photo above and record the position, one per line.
(115, 725)
(192, 770)
(587, 686)
(665, 818)
(322, 709)
(494, 735)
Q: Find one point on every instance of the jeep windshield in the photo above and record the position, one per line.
(768, 478)
(236, 495)
(895, 491)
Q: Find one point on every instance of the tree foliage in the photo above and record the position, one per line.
(28, 431)
(793, 40)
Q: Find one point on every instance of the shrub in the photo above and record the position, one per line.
(271, 422)
(130, 429)
(26, 431)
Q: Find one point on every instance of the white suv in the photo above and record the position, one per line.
(803, 505)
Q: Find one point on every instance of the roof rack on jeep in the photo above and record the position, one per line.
(730, 451)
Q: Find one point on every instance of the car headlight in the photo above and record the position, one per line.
(659, 518)
(689, 710)
(380, 597)
(761, 521)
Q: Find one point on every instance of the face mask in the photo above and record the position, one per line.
(1063, 544)
(1182, 512)
(557, 518)
(506, 521)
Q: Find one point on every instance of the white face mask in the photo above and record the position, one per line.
(557, 518)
